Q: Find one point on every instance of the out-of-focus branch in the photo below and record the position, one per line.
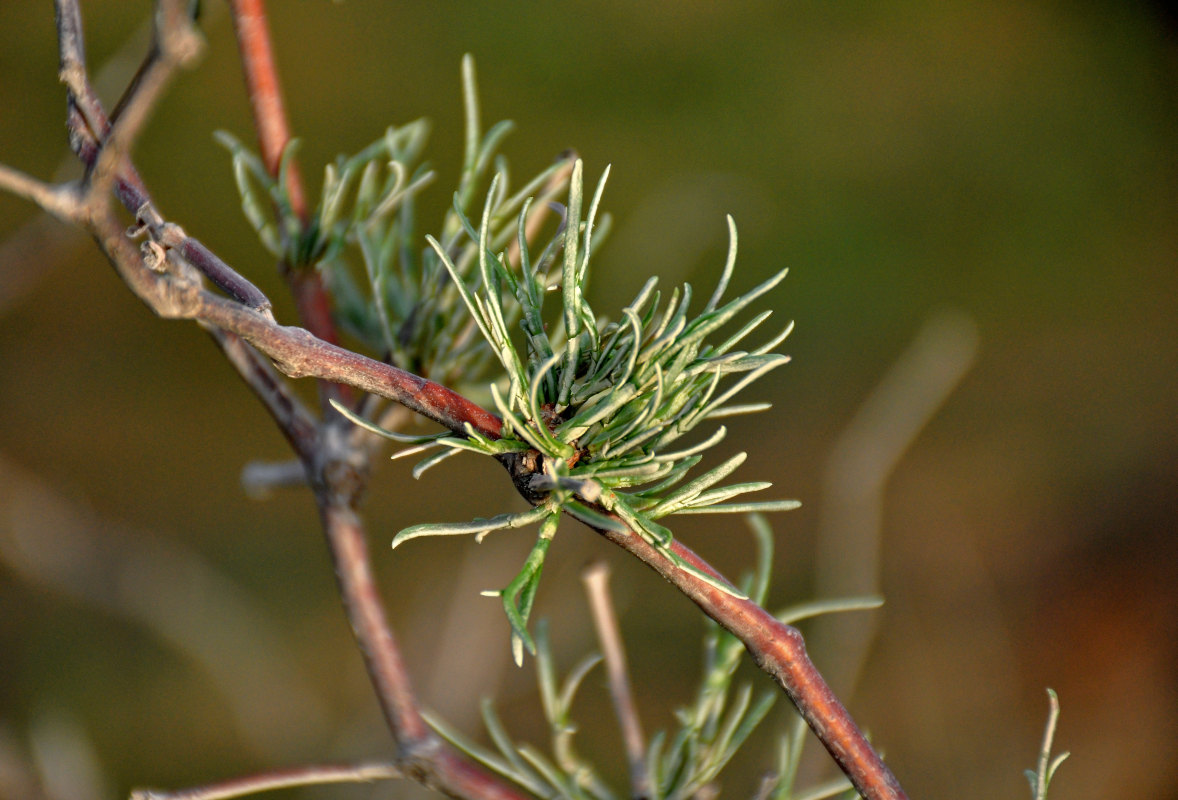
(605, 619)
(313, 775)
(265, 94)
(175, 43)
(914, 388)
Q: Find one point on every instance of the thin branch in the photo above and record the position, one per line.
(349, 551)
(605, 619)
(421, 754)
(780, 650)
(280, 779)
(61, 200)
(862, 460)
(88, 126)
(260, 478)
(175, 43)
(299, 354)
(265, 94)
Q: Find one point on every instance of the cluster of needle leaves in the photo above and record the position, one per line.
(388, 290)
(596, 405)
(593, 408)
(682, 763)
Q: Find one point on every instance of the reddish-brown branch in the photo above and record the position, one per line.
(777, 648)
(609, 636)
(349, 550)
(265, 94)
(299, 354)
(780, 650)
(421, 754)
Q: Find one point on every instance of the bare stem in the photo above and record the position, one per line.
(349, 550)
(605, 619)
(312, 775)
(60, 201)
(265, 94)
(421, 754)
(175, 43)
(780, 650)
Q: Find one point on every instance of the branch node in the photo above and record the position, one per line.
(155, 257)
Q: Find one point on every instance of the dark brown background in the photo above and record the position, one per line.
(1011, 161)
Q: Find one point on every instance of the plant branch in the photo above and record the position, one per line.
(421, 754)
(779, 650)
(349, 550)
(312, 775)
(175, 43)
(88, 126)
(776, 648)
(60, 201)
(605, 620)
(265, 94)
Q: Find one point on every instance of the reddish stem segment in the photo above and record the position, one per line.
(780, 650)
(265, 93)
(422, 756)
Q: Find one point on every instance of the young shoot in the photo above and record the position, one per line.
(600, 405)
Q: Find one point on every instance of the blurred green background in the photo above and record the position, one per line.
(1006, 168)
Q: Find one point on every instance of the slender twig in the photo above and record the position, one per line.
(88, 126)
(299, 354)
(779, 650)
(265, 94)
(60, 201)
(862, 460)
(175, 43)
(605, 619)
(349, 551)
(312, 775)
(421, 754)
(260, 478)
